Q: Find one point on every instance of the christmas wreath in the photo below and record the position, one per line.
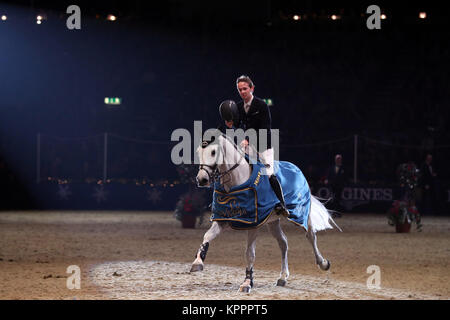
(191, 203)
(403, 212)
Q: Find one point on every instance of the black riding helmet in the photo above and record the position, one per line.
(229, 111)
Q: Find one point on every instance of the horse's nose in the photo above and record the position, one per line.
(202, 181)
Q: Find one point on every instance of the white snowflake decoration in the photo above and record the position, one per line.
(100, 194)
(154, 195)
(64, 192)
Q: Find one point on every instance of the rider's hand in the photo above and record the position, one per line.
(244, 146)
(244, 143)
(229, 123)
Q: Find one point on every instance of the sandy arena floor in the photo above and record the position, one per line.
(147, 255)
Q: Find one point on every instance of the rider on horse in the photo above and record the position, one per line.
(253, 113)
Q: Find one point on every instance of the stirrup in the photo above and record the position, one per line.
(280, 209)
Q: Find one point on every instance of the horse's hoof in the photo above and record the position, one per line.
(245, 289)
(196, 267)
(281, 283)
(327, 267)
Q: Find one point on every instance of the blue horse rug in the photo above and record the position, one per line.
(250, 204)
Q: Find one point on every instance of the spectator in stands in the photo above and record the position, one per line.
(336, 180)
(429, 187)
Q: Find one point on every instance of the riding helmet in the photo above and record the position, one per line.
(229, 111)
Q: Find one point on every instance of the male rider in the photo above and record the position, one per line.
(253, 113)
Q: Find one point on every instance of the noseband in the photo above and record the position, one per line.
(214, 175)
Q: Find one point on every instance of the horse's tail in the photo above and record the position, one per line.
(320, 216)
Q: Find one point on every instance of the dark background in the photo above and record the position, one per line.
(173, 62)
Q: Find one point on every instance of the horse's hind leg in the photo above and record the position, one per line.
(324, 264)
(277, 233)
(250, 255)
(212, 233)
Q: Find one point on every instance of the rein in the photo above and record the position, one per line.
(216, 174)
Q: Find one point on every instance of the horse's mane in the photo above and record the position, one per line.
(228, 139)
(233, 144)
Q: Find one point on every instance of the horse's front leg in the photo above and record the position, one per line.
(212, 233)
(277, 233)
(247, 285)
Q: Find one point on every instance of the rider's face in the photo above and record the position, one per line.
(245, 91)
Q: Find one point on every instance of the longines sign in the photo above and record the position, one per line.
(362, 194)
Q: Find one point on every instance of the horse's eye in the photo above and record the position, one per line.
(213, 152)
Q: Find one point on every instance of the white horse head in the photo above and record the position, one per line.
(210, 157)
(219, 158)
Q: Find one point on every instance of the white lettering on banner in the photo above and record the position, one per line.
(324, 193)
(388, 194)
(376, 194)
(347, 194)
(365, 194)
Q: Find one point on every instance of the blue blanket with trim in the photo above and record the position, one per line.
(250, 204)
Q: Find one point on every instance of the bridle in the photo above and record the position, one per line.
(215, 175)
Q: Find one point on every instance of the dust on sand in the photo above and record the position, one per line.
(147, 255)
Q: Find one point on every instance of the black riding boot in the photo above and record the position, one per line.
(276, 186)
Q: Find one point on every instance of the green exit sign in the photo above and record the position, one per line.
(113, 101)
(269, 102)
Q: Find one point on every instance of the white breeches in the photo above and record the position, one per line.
(266, 157)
